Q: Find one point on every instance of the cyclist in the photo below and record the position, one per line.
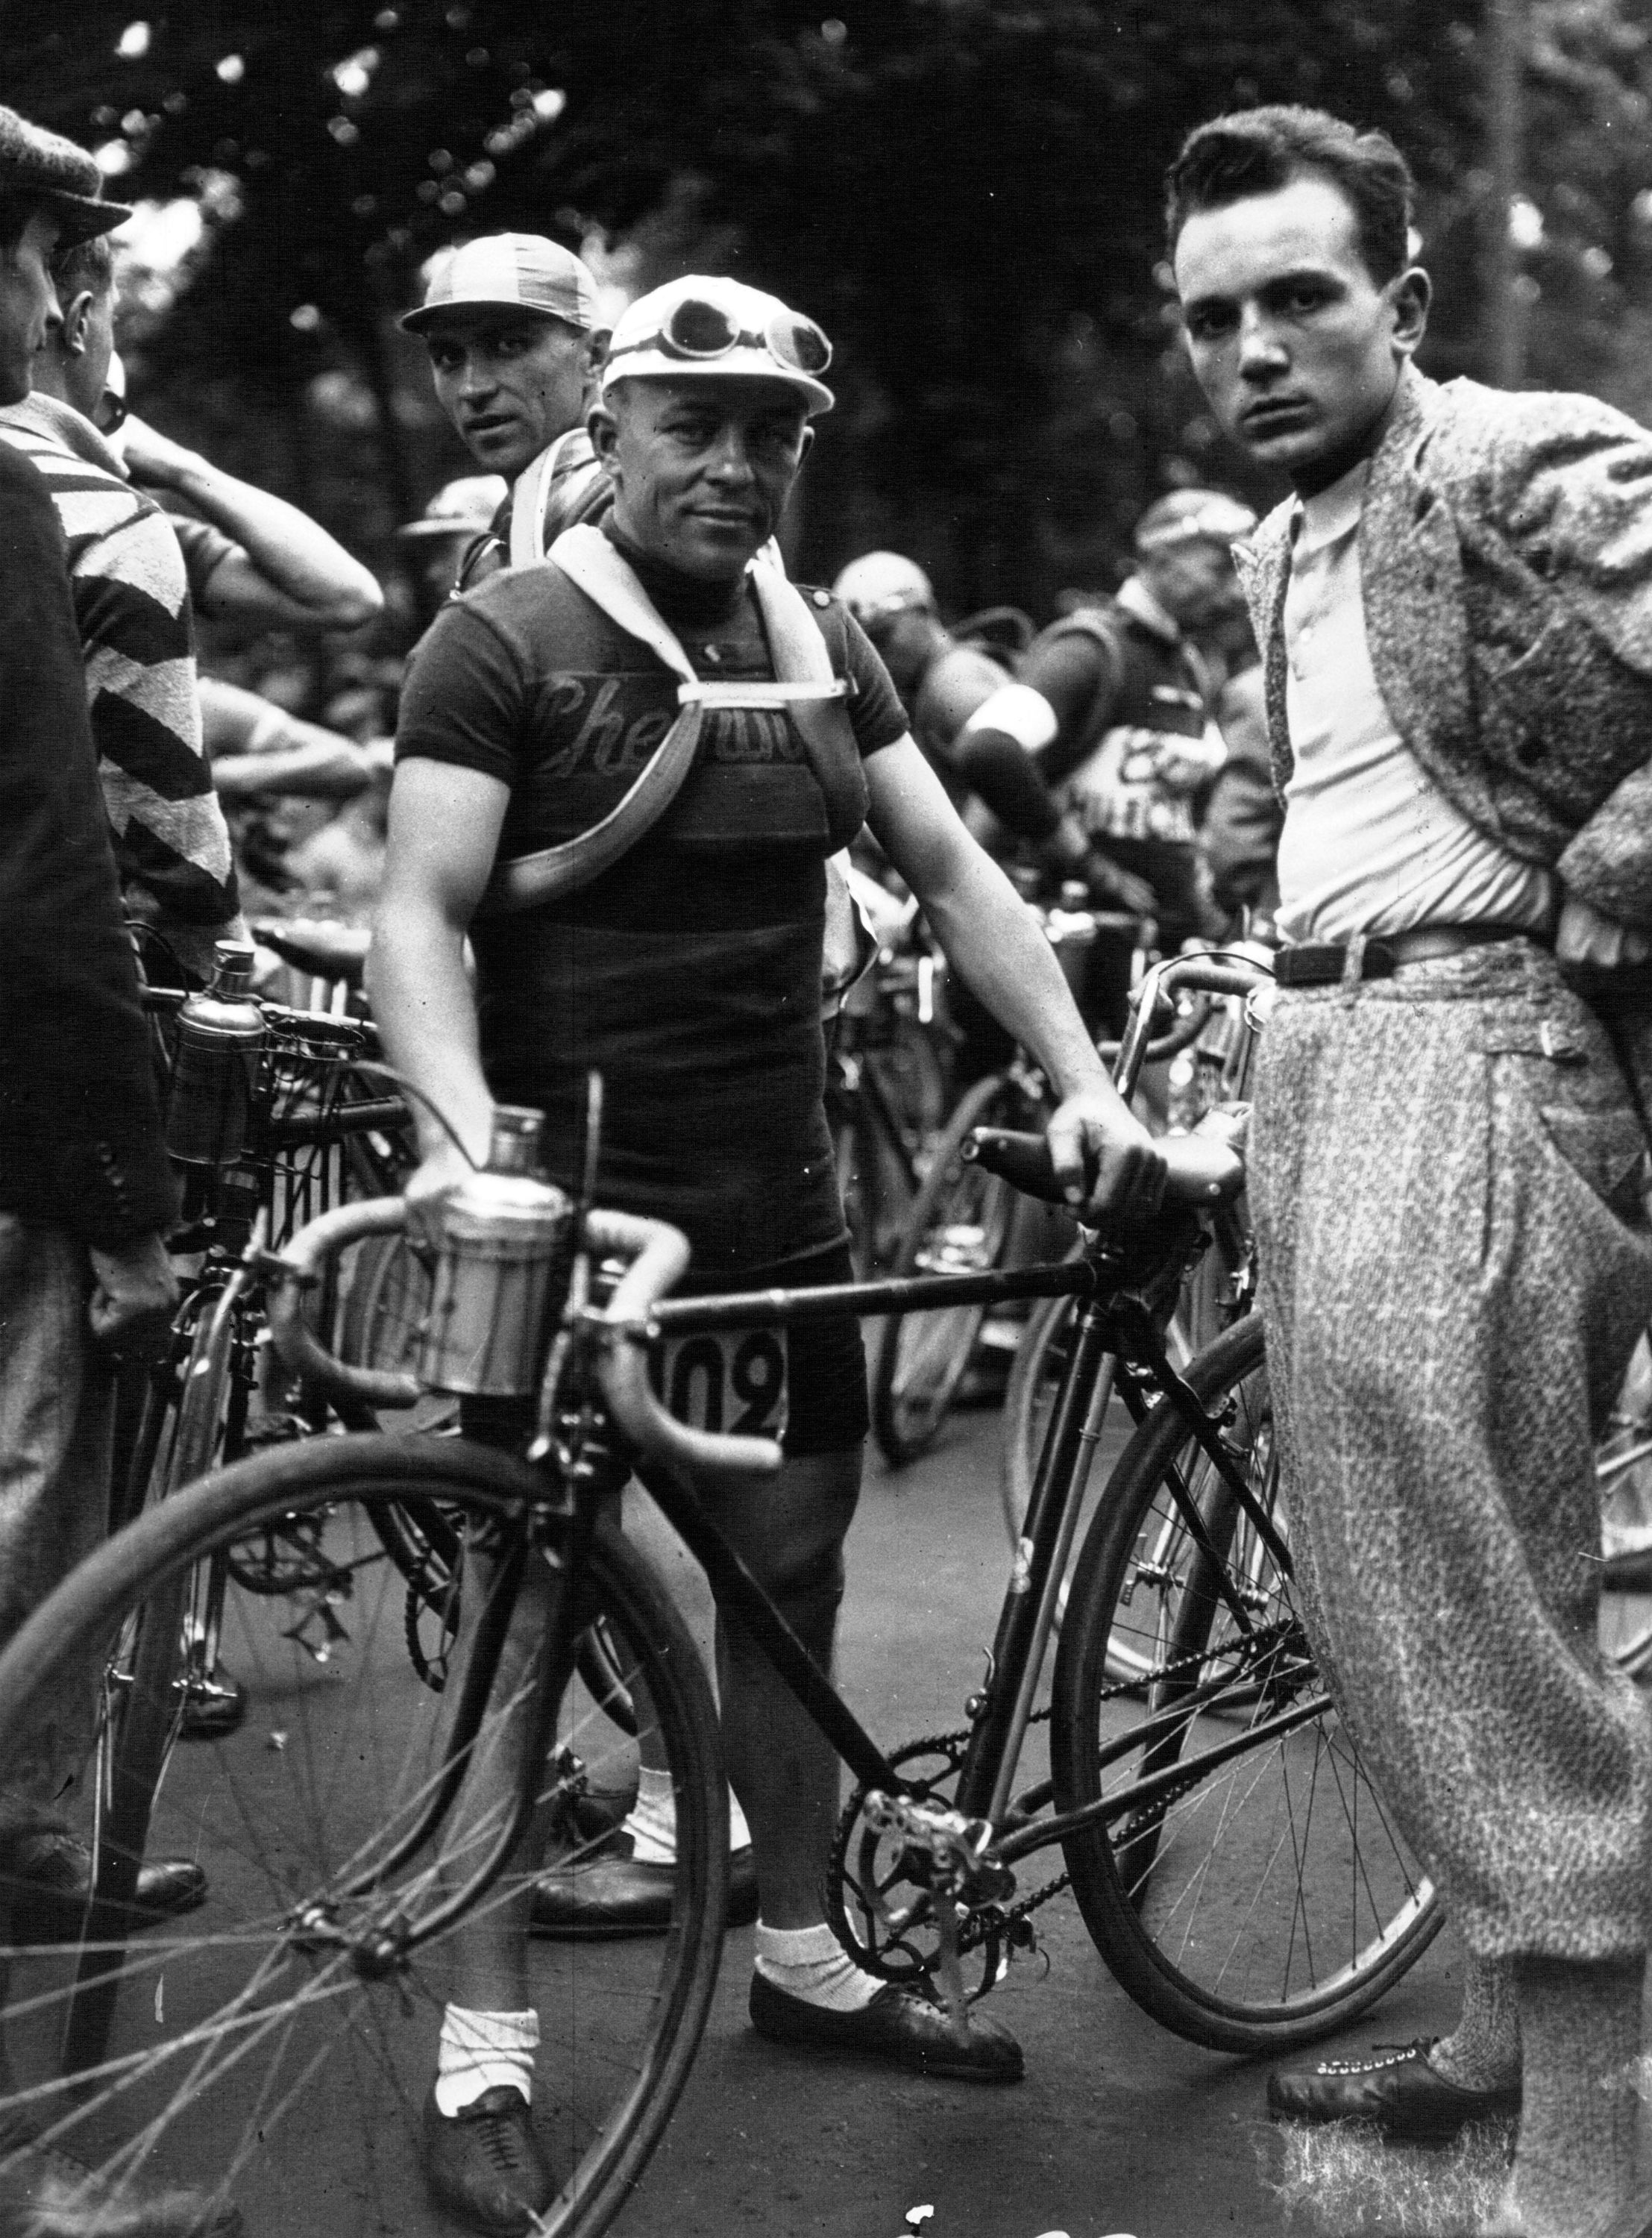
(689, 973)
(512, 325)
(1113, 702)
(461, 511)
(943, 685)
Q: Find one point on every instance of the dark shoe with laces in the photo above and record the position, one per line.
(49, 1878)
(47, 2191)
(485, 2164)
(898, 2027)
(607, 1894)
(1396, 2089)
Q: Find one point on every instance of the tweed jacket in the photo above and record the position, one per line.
(1505, 553)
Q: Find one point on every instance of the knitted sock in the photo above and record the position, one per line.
(1483, 2051)
(811, 1964)
(479, 2051)
(652, 1821)
(1580, 2028)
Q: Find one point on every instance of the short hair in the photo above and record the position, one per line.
(85, 265)
(1256, 151)
(16, 210)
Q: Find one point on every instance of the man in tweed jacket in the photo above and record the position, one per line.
(1450, 1160)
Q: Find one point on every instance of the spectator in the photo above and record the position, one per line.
(137, 636)
(85, 1190)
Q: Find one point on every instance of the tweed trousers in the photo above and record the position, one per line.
(56, 1415)
(1447, 1173)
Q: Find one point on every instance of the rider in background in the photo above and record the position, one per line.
(460, 515)
(944, 683)
(1113, 702)
(514, 336)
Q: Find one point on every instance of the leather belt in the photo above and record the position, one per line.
(1323, 964)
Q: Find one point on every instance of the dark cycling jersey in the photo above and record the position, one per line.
(689, 973)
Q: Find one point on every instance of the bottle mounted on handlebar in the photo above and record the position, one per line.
(214, 1074)
(506, 1242)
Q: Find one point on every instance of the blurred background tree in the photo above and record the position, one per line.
(965, 192)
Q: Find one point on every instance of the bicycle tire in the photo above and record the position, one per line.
(1270, 1900)
(962, 1220)
(234, 2030)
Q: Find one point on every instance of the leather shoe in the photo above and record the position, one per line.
(485, 2163)
(1396, 2089)
(49, 1878)
(899, 2026)
(607, 1894)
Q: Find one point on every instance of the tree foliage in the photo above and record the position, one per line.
(965, 192)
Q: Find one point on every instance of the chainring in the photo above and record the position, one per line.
(890, 1922)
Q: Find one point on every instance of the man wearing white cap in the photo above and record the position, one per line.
(687, 970)
(512, 325)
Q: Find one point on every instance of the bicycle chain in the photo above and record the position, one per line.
(982, 1924)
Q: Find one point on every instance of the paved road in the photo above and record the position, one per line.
(1118, 2127)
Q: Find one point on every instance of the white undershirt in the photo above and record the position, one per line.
(1370, 843)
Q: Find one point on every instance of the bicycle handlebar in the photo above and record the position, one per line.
(1205, 1168)
(661, 1256)
(300, 1347)
(658, 1256)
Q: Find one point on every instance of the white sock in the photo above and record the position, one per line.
(811, 1964)
(479, 2051)
(652, 1821)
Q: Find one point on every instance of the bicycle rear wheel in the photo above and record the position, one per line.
(961, 1224)
(250, 2044)
(1261, 1896)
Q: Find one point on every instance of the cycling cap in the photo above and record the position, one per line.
(879, 584)
(36, 165)
(511, 272)
(722, 326)
(1189, 516)
(464, 507)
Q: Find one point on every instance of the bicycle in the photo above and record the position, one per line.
(1242, 1893)
(967, 1218)
(1212, 1068)
(317, 1125)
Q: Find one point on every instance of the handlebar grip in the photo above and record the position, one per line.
(1205, 1168)
(661, 1255)
(296, 1341)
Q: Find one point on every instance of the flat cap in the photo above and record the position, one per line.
(42, 166)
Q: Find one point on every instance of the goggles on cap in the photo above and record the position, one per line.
(700, 332)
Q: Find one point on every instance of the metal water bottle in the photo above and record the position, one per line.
(505, 1236)
(221, 1038)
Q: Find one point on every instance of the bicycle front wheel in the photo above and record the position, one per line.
(961, 1224)
(290, 2022)
(1250, 1891)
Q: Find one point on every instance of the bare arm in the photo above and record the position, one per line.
(286, 572)
(993, 941)
(443, 834)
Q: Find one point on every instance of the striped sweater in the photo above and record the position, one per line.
(137, 634)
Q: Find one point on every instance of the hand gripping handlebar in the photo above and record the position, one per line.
(1205, 1168)
(658, 1255)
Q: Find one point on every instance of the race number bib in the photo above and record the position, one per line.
(731, 1381)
